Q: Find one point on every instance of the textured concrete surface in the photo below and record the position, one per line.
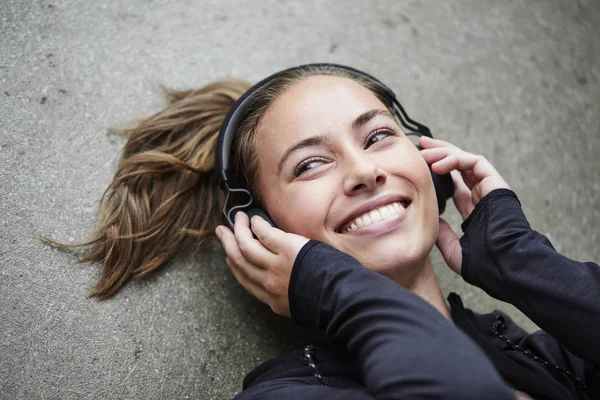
(517, 81)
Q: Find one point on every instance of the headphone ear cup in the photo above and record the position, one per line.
(444, 189)
(444, 186)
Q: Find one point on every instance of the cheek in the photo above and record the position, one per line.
(301, 211)
(430, 215)
(428, 200)
(416, 170)
(413, 169)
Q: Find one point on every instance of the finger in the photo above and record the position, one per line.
(251, 248)
(445, 159)
(473, 167)
(272, 238)
(428, 143)
(251, 271)
(251, 287)
(449, 245)
(441, 160)
(435, 154)
(462, 195)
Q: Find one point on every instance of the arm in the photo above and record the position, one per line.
(514, 263)
(511, 261)
(405, 347)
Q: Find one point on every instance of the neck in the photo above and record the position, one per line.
(425, 285)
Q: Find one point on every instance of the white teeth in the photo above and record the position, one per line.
(377, 215)
(385, 212)
(366, 220)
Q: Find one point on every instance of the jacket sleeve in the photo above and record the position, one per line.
(406, 348)
(514, 263)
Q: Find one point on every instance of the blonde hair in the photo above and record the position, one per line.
(165, 188)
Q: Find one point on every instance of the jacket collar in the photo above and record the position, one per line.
(479, 329)
(334, 360)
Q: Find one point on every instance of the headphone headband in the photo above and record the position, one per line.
(443, 184)
(238, 110)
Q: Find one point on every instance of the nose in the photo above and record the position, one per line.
(363, 175)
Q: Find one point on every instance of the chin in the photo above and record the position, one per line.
(392, 259)
(394, 256)
(397, 263)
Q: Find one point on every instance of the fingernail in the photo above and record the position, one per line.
(219, 232)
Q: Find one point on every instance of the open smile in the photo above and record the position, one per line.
(376, 218)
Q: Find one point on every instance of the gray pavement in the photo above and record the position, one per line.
(517, 81)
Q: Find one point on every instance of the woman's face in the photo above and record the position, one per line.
(335, 167)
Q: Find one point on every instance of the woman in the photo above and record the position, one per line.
(357, 216)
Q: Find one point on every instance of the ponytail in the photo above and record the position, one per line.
(165, 188)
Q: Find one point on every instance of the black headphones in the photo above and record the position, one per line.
(444, 188)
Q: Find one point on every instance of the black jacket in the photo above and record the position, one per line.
(385, 342)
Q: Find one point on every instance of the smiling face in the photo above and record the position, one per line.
(335, 167)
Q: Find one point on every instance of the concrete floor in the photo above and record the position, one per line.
(516, 81)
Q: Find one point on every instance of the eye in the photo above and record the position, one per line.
(307, 165)
(380, 134)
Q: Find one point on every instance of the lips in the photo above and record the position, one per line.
(373, 212)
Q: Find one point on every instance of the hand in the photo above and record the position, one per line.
(264, 266)
(473, 177)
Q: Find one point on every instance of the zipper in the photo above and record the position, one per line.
(499, 324)
(308, 354)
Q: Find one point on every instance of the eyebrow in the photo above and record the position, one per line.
(369, 115)
(319, 140)
(310, 142)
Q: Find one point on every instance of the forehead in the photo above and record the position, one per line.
(313, 106)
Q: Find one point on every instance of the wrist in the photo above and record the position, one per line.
(494, 193)
(292, 297)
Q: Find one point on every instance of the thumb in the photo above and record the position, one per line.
(449, 245)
